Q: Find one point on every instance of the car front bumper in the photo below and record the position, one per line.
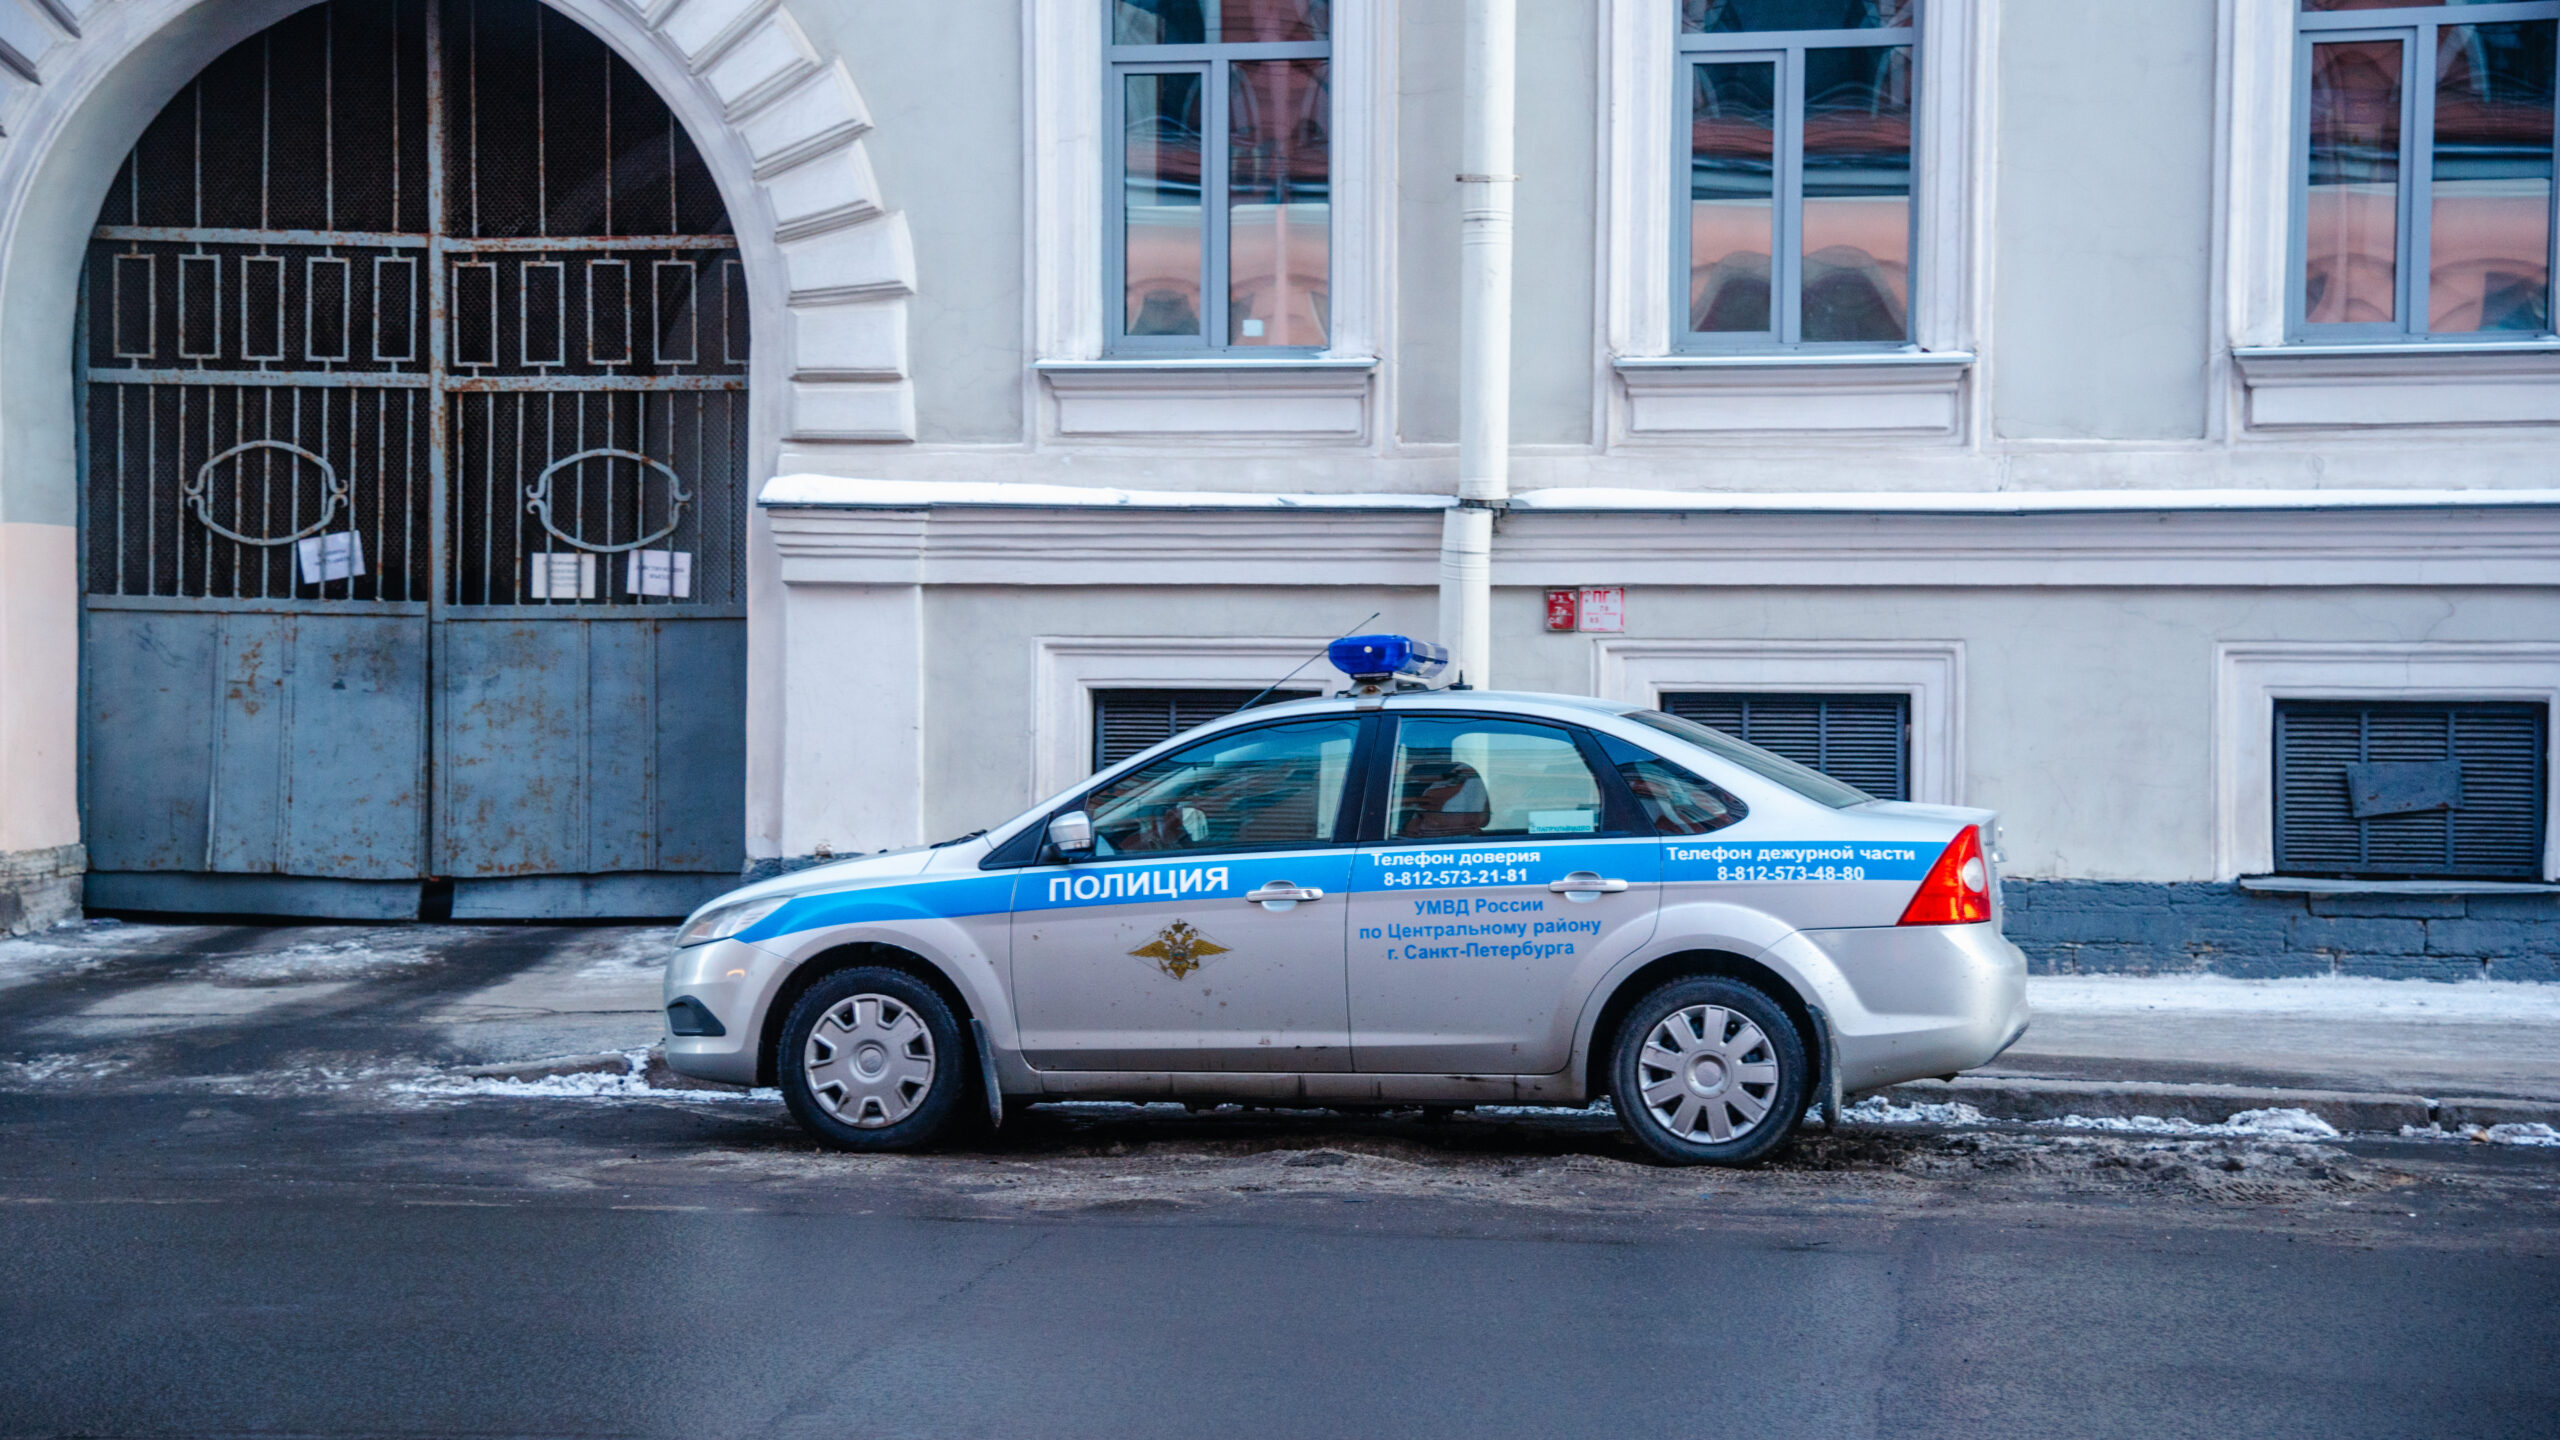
(730, 979)
(1922, 1000)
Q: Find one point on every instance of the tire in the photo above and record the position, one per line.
(1725, 1067)
(872, 1059)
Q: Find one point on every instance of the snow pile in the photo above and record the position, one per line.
(2531, 1133)
(630, 1084)
(2288, 1123)
(1877, 1110)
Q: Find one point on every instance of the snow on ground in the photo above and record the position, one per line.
(630, 1084)
(622, 954)
(2506, 1134)
(2325, 997)
(2284, 1124)
(330, 953)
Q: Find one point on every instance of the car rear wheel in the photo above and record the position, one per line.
(1709, 1071)
(872, 1059)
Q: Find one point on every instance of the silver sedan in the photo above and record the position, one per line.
(1418, 897)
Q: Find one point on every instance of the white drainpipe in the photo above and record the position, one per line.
(1484, 339)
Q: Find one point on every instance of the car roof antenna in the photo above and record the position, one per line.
(1310, 660)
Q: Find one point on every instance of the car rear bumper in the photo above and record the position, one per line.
(1921, 1000)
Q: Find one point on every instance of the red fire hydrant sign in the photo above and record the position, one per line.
(1592, 610)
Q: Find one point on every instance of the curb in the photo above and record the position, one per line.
(2368, 1111)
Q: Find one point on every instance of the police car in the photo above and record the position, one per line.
(1398, 895)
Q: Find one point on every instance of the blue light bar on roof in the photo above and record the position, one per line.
(1376, 659)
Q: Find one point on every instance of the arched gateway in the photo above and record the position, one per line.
(413, 386)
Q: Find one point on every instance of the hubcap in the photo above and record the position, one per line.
(869, 1061)
(1708, 1073)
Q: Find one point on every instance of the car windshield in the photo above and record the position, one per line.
(1806, 781)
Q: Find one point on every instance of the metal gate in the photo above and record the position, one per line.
(413, 390)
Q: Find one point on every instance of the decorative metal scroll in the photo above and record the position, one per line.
(199, 493)
(538, 499)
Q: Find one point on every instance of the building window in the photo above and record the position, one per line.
(1128, 721)
(2408, 789)
(1860, 740)
(2423, 189)
(1797, 155)
(1220, 244)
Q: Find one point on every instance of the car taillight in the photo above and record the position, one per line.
(1958, 888)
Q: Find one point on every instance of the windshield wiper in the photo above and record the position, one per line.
(955, 840)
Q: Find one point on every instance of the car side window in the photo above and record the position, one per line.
(1271, 787)
(1467, 777)
(1676, 802)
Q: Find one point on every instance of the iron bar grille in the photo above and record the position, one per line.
(1128, 721)
(2484, 809)
(1861, 740)
(260, 362)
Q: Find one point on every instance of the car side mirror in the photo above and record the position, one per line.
(1071, 834)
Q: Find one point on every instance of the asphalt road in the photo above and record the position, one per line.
(275, 1216)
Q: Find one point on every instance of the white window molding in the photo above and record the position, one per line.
(1901, 393)
(1658, 393)
(1931, 672)
(1067, 669)
(1298, 398)
(2251, 676)
(2288, 385)
(1064, 167)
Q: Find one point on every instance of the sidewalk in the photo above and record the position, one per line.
(2362, 1054)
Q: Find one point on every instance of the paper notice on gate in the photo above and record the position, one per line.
(330, 557)
(660, 572)
(560, 575)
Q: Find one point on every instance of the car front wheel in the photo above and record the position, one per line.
(872, 1059)
(1709, 1071)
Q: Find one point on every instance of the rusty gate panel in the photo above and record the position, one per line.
(147, 752)
(414, 434)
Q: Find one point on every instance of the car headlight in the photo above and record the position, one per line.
(722, 921)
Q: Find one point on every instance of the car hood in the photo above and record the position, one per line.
(856, 872)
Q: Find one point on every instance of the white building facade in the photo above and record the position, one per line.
(2143, 426)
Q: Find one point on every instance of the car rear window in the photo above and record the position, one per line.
(1806, 781)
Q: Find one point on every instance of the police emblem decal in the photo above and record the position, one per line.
(1178, 949)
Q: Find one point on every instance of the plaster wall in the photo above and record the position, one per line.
(2103, 280)
(2088, 714)
(946, 82)
(39, 685)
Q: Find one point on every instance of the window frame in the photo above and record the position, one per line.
(1214, 63)
(1786, 259)
(2417, 28)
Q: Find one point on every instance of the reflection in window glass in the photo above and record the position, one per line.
(1857, 193)
(1677, 802)
(1161, 193)
(1271, 21)
(1274, 786)
(2489, 236)
(1732, 194)
(2351, 211)
(1713, 17)
(1460, 779)
(1279, 215)
(1211, 22)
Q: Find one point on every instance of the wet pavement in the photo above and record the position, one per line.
(246, 1188)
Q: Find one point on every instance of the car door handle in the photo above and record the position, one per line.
(1585, 886)
(1281, 895)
